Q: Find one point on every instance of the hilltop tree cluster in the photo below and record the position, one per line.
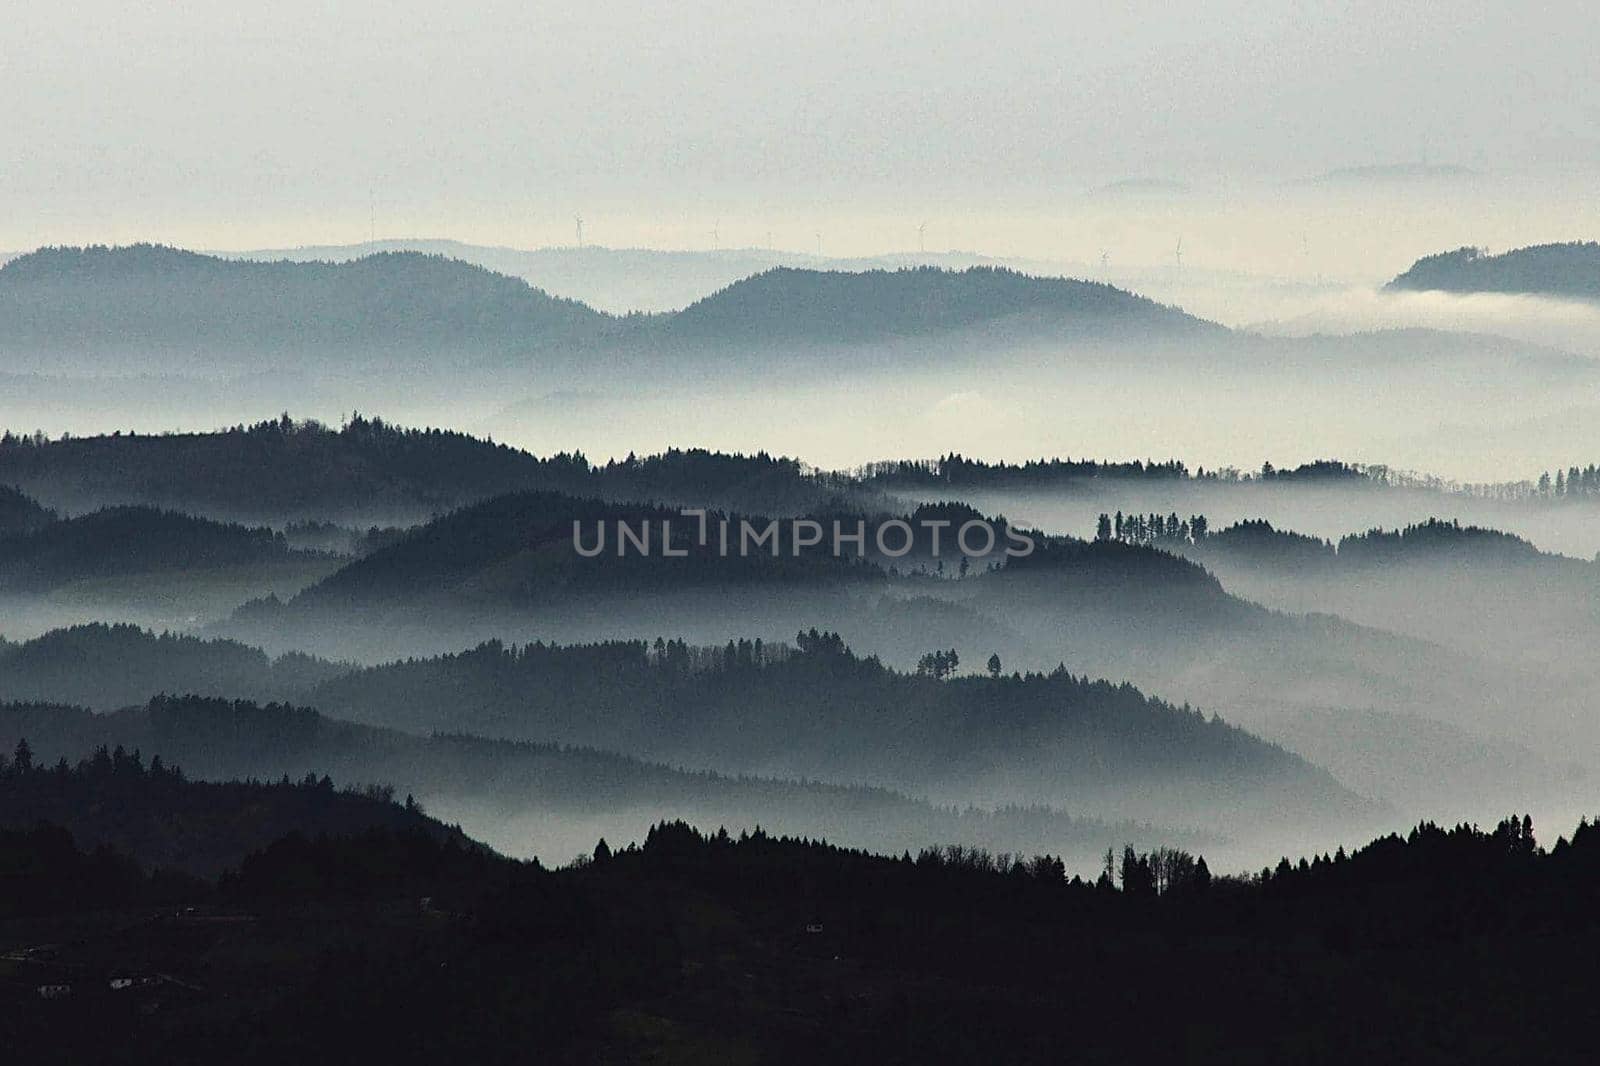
(1152, 529)
(1570, 483)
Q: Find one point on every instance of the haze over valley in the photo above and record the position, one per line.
(867, 533)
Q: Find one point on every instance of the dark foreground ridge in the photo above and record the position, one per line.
(397, 944)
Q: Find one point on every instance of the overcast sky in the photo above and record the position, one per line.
(237, 125)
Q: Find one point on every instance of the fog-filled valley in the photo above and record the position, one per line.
(981, 360)
(1264, 660)
(884, 533)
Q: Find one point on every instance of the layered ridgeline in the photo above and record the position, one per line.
(368, 471)
(816, 712)
(1482, 591)
(113, 309)
(543, 799)
(507, 569)
(622, 280)
(1567, 271)
(822, 712)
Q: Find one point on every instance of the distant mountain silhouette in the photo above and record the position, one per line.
(1568, 271)
(95, 305)
(827, 308)
(147, 307)
(1394, 173)
(649, 280)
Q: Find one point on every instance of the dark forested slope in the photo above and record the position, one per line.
(122, 541)
(146, 807)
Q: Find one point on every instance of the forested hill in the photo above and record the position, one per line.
(150, 308)
(519, 549)
(145, 807)
(369, 470)
(1435, 541)
(20, 513)
(830, 308)
(1569, 271)
(823, 712)
(105, 667)
(119, 541)
(97, 303)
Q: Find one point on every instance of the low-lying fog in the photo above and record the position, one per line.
(1470, 408)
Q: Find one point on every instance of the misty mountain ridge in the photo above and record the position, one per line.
(104, 306)
(821, 712)
(1565, 271)
(786, 305)
(496, 783)
(369, 471)
(1434, 540)
(106, 667)
(648, 280)
(129, 540)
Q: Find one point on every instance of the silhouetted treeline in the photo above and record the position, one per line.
(957, 471)
(1257, 541)
(1441, 946)
(1435, 539)
(1151, 529)
(960, 472)
(284, 470)
(153, 812)
(1573, 483)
